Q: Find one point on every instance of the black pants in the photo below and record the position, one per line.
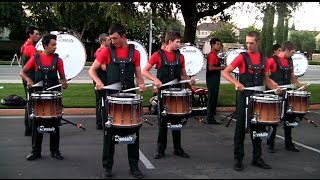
(162, 134)
(287, 130)
(239, 134)
(109, 143)
(99, 95)
(213, 83)
(28, 108)
(37, 137)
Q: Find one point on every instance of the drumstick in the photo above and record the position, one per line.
(175, 81)
(292, 86)
(255, 88)
(135, 88)
(303, 87)
(114, 86)
(273, 90)
(57, 85)
(40, 83)
(188, 80)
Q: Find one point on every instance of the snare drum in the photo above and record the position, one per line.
(177, 101)
(266, 109)
(125, 110)
(298, 102)
(46, 104)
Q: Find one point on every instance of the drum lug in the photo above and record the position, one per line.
(32, 115)
(290, 109)
(109, 123)
(164, 112)
(255, 118)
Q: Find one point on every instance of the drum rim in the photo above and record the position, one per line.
(298, 93)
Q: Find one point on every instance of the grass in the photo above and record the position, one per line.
(83, 96)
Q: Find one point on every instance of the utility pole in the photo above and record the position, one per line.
(150, 34)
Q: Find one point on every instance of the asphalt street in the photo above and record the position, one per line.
(210, 148)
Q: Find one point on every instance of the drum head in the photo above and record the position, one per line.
(231, 55)
(143, 53)
(72, 52)
(193, 59)
(300, 64)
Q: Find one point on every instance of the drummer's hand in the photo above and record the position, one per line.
(158, 83)
(64, 84)
(142, 87)
(99, 86)
(192, 82)
(304, 87)
(239, 86)
(278, 91)
(29, 83)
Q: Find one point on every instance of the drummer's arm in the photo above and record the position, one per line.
(271, 84)
(139, 78)
(226, 73)
(25, 70)
(295, 81)
(93, 74)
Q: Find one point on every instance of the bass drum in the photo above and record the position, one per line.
(231, 55)
(72, 52)
(300, 64)
(193, 59)
(143, 53)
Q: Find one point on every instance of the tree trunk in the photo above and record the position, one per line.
(189, 13)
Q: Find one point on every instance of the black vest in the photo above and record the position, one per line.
(121, 69)
(214, 72)
(283, 73)
(47, 73)
(169, 71)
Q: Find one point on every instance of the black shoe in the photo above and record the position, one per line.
(271, 149)
(181, 153)
(291, 147)
(33, 156)
(158, 155)
(135, 171)
(99, 127)
(213, 122)
(260, 163)
(238, 165)
(107, 172)
(57, 155)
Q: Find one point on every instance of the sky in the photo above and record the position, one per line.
(304, 18)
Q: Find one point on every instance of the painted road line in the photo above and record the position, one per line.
(145, 161)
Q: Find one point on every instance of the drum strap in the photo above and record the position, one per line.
(46, 69)
(283, 73)
(122, 62)
(170, 65)
(257, 78)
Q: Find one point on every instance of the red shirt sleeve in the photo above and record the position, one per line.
(31, 64)
(213, 58)
(155, 59)
(271, 65)
(29, 50)
(104, 56)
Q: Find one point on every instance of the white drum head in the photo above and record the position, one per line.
(193, 59)
(231, 55)
(71, 50)
(143, 53)
(300, 64)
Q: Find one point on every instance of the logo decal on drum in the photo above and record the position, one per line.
(293, 124)
(42, 129)
(184, 50)
(65, 40)
(174, 126)
(260, 134)
(125, 139)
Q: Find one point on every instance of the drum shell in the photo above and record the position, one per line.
(46, 104)
(125, 110)
(266, 108)
(177, 101)
(298, 102)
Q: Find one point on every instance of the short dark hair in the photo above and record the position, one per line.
(30, 30)
(276, 47)
(102, 37)
(214, 41)
(162, 41)
(172, 36)
(288, 45)
(46, 39)
(117, 28)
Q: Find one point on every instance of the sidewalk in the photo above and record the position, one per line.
(92, 111)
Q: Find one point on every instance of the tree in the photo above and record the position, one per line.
(267, 30)
(225, 33)
(304, 40)
(242, 37)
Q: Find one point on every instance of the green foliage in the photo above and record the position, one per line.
(267, 31)
(242, 37)
(225, 33)
(304, 40)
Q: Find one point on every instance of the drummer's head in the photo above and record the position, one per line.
(163, 43)
(49, 43)
(104, 39)
(215, 44)
(276, 48)
(253, 41)
(288, 49)
(32, 33)
(172, 40)
(117, 34)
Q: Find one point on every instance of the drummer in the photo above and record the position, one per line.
(117, 56)
(251, 64)
(280, 69)
(40, 63)
(170, 65)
